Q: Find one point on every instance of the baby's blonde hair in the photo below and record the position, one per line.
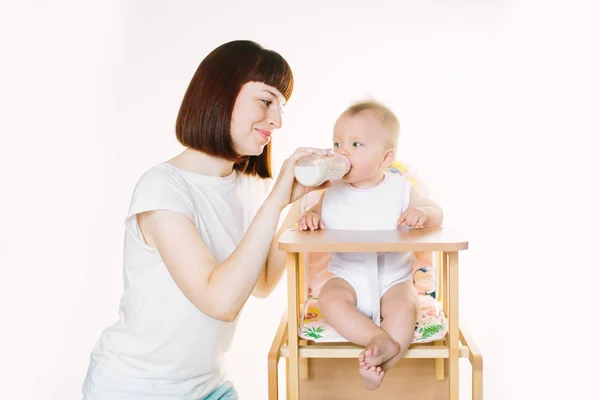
(387, 118)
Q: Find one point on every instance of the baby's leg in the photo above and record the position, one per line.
(399, 308)
(337, 302)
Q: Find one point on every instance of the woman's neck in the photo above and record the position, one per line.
(201, 163)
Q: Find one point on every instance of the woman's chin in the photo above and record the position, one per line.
(260, 150)
(256, 151)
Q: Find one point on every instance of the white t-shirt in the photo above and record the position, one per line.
(162, 346)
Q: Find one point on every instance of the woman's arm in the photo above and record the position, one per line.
(221, 290)
(218, 290)
(276, 259)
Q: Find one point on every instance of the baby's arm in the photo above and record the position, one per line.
(421, 212)
(311, 219)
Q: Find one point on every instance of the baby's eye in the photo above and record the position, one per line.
(357, 144)
(336, 145)
(267, 102)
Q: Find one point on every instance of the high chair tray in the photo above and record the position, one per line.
(402, 239)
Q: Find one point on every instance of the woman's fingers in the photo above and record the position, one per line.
(305, 151)
(288, 165)
(313, 150)
(324, 185)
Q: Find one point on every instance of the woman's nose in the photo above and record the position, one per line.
(274, 119)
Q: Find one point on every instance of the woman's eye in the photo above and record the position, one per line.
(357, 144)
(267, 102)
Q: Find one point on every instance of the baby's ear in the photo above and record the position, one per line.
(388, 158)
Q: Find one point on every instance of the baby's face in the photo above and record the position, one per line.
(363, 140)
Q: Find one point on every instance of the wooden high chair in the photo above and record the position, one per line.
(457, 343)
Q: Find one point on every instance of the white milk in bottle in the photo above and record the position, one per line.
(314, 170)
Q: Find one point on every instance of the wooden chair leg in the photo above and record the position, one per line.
(441, 296)
(444, 293)
(476, 364)
(293, 316)
(303, 369)
(440, 275)
(303, 298)
(453, 330)
(477, 382)
(287, 376)
(273, 380)
(439, 364)
(274, 356)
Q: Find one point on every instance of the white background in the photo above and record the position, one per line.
(498, 102)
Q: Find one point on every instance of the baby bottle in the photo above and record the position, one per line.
(314, 170)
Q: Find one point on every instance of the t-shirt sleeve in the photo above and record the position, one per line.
(159, 190)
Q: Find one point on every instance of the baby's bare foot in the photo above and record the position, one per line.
(380, 349)
(372, 377)
(389, 364)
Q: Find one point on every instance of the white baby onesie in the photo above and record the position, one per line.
(378, 208)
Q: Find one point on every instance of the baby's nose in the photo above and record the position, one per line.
(342, 150)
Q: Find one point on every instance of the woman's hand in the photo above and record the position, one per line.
(287, 189)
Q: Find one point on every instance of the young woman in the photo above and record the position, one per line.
(200, 235)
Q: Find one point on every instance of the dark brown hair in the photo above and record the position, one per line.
(204, 119)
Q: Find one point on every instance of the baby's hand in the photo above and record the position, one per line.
(413, 217)
(311, 220)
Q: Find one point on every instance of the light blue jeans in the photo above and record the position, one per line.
(223, 392)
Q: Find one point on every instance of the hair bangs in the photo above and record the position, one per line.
(272, 69)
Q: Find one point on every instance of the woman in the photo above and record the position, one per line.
(200, 235)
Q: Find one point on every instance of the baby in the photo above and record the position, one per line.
(370, 197)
